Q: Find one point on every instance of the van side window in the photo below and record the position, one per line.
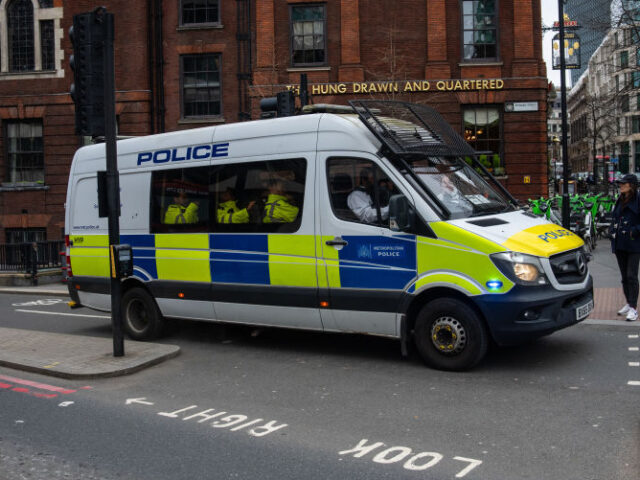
(259, 196)
(359, 191)
(180, 200)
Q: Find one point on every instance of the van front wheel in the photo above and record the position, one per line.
(141, 316)
(450, 335)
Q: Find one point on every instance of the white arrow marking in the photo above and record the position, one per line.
(140, 400)
(65, 404)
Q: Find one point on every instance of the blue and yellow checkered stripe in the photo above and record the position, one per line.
(366, 262)
(284, 260)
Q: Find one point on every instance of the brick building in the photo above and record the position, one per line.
(187, 63)
(38, 137)
(477, 62)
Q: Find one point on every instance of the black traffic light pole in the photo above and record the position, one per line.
(113, 183)
(93, 92)
(563, 102)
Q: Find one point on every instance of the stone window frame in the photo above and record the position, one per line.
(463, 29)
(39, 14)
(292, 7)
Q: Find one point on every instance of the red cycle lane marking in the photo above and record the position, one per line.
(41, 386)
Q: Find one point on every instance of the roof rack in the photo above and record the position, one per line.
(407, 128)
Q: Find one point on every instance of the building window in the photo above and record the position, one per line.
(20, 34)
(635, 124)
(30, 31)
(624, 59)
(46, 45)
(25, 235)
(482, 130)
(479, 25)
(635, 79)
(25, 154)
(200, 85)
(197, 12)
(308, 38)
(624, 103)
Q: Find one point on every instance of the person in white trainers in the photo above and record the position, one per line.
(625, 242)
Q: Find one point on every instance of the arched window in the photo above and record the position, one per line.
(20, 34)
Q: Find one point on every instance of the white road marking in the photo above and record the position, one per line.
(35, 303)
(634, 364)
(634, 349)
(141, 401)
(633, 382)
(410, 459)
(63, 313)
(633, 336)
(65, 404)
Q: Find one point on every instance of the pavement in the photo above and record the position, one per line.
(76, 356)
(73, 356)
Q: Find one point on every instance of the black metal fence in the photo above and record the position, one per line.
(21, 257)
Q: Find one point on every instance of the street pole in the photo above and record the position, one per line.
(113, 183)
(563, 102)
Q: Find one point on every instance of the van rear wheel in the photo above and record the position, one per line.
(449, 335)
(141, 316)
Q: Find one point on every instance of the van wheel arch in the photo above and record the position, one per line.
(433, 293)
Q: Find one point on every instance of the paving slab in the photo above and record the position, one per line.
(77, 356)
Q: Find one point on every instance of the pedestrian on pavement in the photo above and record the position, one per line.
(625, 242)
(33, 263)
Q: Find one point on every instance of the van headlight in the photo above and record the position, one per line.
(521, 268)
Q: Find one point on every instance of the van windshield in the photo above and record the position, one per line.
(459, 187)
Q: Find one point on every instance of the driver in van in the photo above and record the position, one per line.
(360, 201)
(451, 196)
(181, 211)
(278, 207)
(228, 210)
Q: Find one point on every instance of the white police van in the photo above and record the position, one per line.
(374, 221)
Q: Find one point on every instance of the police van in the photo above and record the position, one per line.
(376, 220)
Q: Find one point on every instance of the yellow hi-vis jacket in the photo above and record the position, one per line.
(177, 214)
(279, 210)
(228, 212)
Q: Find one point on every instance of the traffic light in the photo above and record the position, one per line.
(88, 35)
(286, 103)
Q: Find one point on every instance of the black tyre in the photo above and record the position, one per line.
(141, 317)
(449, 335)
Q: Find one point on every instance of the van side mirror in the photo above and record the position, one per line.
(402, 216)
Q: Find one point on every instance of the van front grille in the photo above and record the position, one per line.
(570, 267)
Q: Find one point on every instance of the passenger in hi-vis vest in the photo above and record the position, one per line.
(181, 210)
(278, 208)
(228, 210)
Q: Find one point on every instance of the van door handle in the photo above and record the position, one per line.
(337, 242)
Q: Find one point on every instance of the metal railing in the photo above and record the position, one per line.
(21, 257)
